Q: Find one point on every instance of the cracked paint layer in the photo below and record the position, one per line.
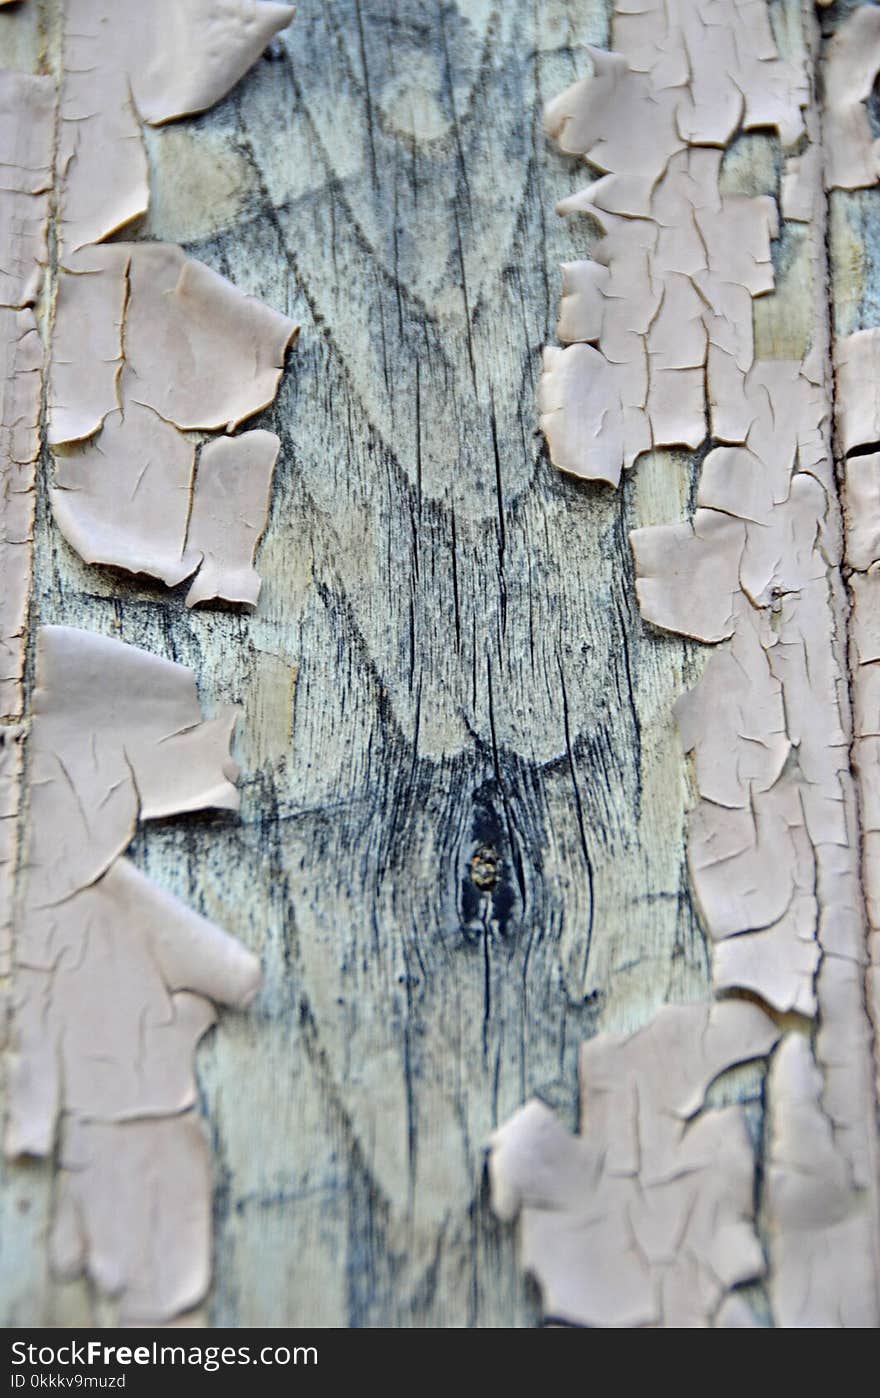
(143, 323)
(773, 841)
(26, 121)
(11, 738)
(133, 61)
(113, 978)
(858, 430)
(772, 766)
(26, 124)
(647, 1218)
(148, 347)
(857, 408)
(824, 1274)
(852, 62)
(670, 286)
(20, 386)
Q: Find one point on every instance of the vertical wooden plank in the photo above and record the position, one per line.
(461, 844)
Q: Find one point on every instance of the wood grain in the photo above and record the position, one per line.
(461, 844)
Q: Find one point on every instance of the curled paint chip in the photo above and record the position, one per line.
(183, 57)
(230, 504)
(123, 498)
(687, 575)
(753, 874)
(738, 694)
(114, 978)
(863, 511)
(149, 344)
(110, 1004)
(647, 1217)
(101, 163)
(857, 359)
(591, 431)
(197, 350)
(177, 337)
(117, 734)
(852, 62)
(132, 60)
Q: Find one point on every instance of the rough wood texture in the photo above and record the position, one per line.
(461, 845)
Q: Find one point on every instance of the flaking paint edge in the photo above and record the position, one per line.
(109, 1167)
(766, 541)
(114, 979)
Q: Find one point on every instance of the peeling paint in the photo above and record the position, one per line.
(11, 740)
(670, 286)
(647, 1218)
(26, 122)
(133, 61)
(774, 838)
(858, 430)
(114, 978)
(230, 504)
(824, 1274)
(851, 156)
(149, 346)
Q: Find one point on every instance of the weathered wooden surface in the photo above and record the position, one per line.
(461, 843)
